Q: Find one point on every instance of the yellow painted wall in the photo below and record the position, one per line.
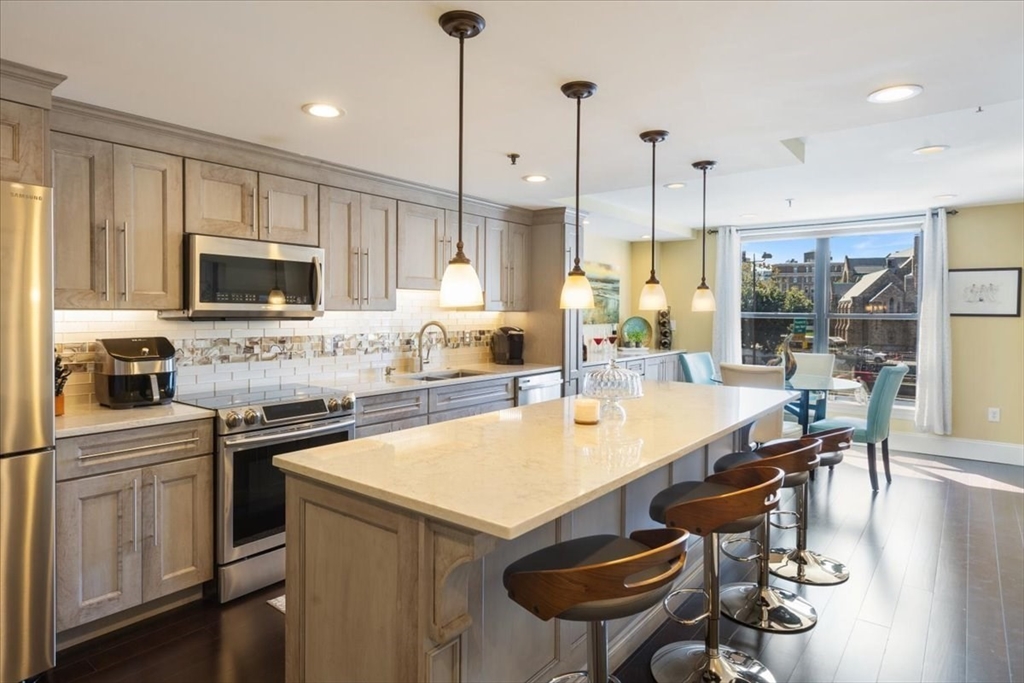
(988, 353)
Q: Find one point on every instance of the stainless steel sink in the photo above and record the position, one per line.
(439, 375)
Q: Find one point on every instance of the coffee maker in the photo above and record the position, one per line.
(507, 346)
(138, 371)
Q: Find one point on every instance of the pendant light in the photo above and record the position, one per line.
(652, 296)
(703, 298)
(577, 292)
(460, 285)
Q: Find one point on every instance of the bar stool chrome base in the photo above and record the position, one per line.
(767, 609)
(689, 662)
(807, 567)
(578, 677)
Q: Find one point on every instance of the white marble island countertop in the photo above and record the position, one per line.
(508, 472)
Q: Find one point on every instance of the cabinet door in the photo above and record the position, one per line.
(379, 265)
(474, 239)
(83, 215)
(22, 135)
(519, 277)
(177, 504)
(99, 547)
(421, 246)
(496, 270)
(288, 211)
(149, 217)
(339, 236)
(220, 200)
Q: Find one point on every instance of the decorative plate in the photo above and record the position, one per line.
(635, 325)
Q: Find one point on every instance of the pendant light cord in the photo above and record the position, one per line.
(462, 49)
(654, 146)
(704, 231)
(579, 103)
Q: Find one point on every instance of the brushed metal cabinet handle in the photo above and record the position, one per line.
(135, 514)
(106, 259)
(270, 211)
(366, 274)
(391, 407)
(356, 286)
(166, 444)
(255, 206)
(156, 511)
(124, 263)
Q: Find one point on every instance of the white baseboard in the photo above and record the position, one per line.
(952, 447)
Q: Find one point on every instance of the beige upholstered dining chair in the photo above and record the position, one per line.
(815, 364)
(770, 426)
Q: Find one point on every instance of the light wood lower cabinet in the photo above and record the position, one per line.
(130, 537)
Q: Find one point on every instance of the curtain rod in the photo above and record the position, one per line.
(825, 224)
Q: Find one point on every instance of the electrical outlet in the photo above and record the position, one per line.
(993, 414)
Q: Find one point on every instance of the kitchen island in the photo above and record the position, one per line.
(397, 543)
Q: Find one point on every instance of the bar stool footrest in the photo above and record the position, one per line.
(806, 567)
(775, 514)
(689, 662)
(740, 558)
(679, 620)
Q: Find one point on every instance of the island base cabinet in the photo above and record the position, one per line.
(129, 537)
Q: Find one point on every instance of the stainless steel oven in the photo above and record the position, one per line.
(235, 278)
(250, 496)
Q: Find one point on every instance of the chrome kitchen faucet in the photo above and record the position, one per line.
(420, 360)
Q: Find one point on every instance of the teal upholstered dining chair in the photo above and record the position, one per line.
(698, 368)
(876, 427)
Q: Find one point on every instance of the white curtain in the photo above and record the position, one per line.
(725, 333)
(934, 411)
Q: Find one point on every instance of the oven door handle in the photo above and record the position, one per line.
(290, 435)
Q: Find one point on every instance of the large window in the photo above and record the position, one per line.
(853, 295)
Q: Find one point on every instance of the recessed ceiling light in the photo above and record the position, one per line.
(675, 186)
(645, 237)
(748, 215)
(324, 111)
(931, 149)
(586, 222)
(895, 93)
(945, 196)
(535, 178)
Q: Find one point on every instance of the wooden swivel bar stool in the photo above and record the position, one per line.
(800, 564)
(730, 502)
(597, 578)
(758, 605)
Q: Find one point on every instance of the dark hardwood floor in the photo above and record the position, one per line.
(936, 594)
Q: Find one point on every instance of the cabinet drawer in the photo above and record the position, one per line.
(472, 393)
(84, 456)
(390, 407)
(470, 410)
(388, 427)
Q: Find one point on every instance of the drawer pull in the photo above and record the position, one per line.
(390, 407)
(146, 447)
(501, 393)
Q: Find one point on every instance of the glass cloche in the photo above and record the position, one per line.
(610, 385)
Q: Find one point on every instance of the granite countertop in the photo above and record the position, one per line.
(622, 358)
(510, 471)
(94, 419)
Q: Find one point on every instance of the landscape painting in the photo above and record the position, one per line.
(604, 279)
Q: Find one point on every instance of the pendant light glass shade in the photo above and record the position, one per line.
(460, 284)
(652, 296)
(576, 291)
(703, 298)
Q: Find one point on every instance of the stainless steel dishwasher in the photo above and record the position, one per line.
(537, 388)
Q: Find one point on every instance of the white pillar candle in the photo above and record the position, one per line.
(586, 411)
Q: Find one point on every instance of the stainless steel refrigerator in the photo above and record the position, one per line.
(27, 578)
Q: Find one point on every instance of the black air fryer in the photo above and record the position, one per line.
(134, 372)
(507, 346)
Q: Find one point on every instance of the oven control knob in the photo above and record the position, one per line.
(348, 401)
(232, 420)
(333, 405)
(251, 417)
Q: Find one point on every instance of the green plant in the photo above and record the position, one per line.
(636, 337)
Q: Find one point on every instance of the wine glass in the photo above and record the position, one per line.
(612, 338)
(598, 341)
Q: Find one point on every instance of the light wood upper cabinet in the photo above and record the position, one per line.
(22, 143)
(177, 512)
(118, 222)
(474, 241)
(358, 233)
(83, 212)
(288, 210)
(99, 547)
(421, 246)
(220, 200)
(507, 284)
(379, 238)
(148, 216)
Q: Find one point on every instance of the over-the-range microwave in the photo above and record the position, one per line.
(227, 278)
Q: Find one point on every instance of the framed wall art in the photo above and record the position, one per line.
(985, 291)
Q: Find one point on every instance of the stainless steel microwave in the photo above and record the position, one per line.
(227, 278)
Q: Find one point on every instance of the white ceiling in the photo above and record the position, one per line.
(729, 80)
